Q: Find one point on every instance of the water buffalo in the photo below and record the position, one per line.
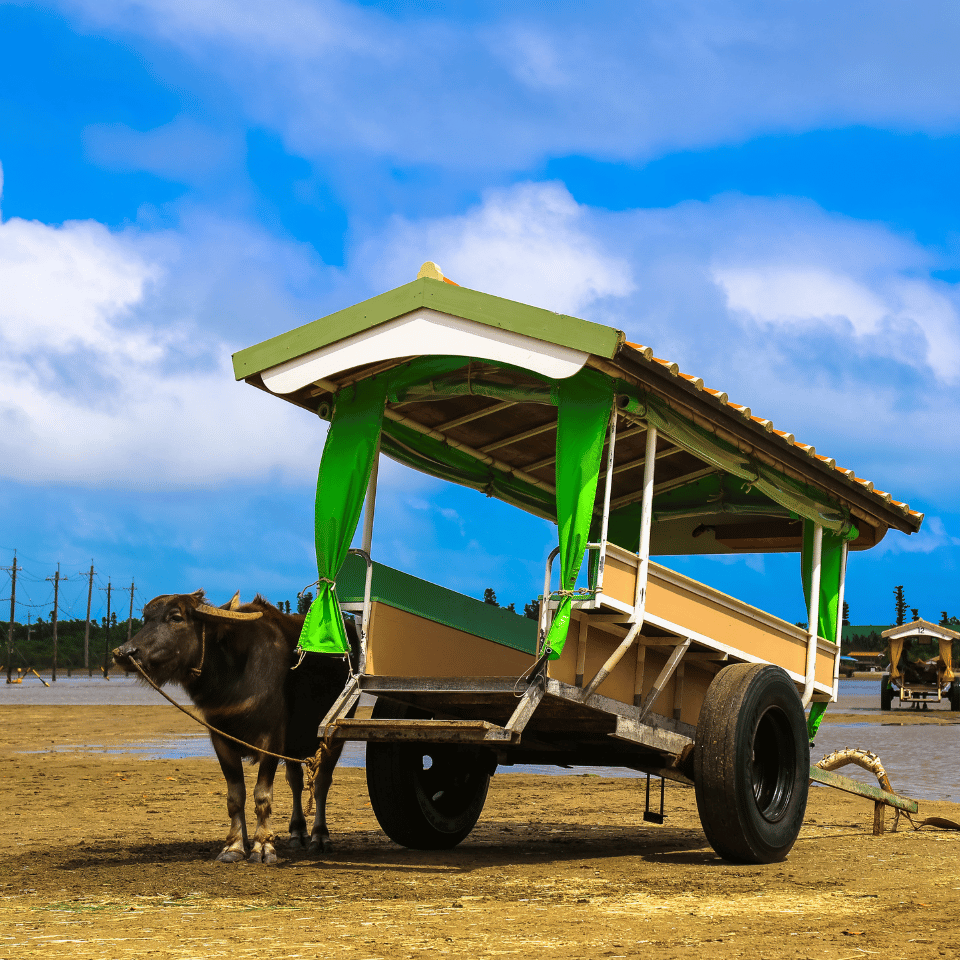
(235, 664)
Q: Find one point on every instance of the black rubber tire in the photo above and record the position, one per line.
(751, 763)
(425, 796)
(886, 695)
(955, 695)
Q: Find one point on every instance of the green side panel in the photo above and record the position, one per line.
(458, 301)
(425, 599)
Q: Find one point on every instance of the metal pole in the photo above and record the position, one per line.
(106, 636)
(130, 617)
(646, 522)
(56, 599)
(607, 489)
(813, 615)
(86, 629)
(13, 607)
(843, 583)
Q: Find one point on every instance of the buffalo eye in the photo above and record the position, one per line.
(176, 617)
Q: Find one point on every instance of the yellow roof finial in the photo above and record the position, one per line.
(431, 270)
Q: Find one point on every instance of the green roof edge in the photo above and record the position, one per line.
(558, 328)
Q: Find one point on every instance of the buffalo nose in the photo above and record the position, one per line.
(122, 652)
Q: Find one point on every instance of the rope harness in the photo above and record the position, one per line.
(313, 764)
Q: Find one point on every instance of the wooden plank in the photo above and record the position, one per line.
(647, 735)
(848, 784)
(420, 731)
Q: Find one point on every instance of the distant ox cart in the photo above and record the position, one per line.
(630, 664)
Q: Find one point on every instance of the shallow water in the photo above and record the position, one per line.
(920, 759)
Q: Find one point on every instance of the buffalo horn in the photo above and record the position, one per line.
(218, 613)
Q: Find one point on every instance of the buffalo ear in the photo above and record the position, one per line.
(205, 611)
(234, 603)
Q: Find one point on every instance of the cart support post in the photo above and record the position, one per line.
(843, 582)
(369, 510)
(813, 616)
(607, 491)
(646, 522)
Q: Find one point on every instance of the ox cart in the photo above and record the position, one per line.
(920, 680)
(630, 664)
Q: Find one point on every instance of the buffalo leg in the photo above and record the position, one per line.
(298, 822)
(263, 850)
(320, 836)
(232, 767)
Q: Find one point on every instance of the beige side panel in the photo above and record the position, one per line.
(620, 685)
(722, 618)
(404, 645)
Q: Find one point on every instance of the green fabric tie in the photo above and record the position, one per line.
(583, 413)
(345, 469)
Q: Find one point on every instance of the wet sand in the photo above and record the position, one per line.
(109, 855)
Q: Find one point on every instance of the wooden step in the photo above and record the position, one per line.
(421, 731)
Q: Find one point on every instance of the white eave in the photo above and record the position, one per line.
(425, 332)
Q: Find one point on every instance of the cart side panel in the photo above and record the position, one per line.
(402, 644)
(713, 614)
(622, 683)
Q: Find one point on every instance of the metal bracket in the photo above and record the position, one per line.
(525, 708)
(669, 668)
(342, 705)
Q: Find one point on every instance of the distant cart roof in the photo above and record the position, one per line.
(921, 629)
(495, 413)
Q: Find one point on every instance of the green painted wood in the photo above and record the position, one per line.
(558, 328)
(831, 779)
(425, 599)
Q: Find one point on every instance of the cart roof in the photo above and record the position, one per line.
(513, 348)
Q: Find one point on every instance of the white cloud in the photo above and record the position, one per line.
(112, 374)
(531, 243)
(501, 87)
(798, 295)
(933, 536)
(182, 150)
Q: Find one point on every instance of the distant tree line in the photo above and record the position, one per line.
(33, 643)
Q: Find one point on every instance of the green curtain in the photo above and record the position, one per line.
(831, 560)
(583, 413)
(345, 469)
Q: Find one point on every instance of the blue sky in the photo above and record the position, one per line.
(766, 193)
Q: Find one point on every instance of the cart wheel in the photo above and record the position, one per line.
(955, 695)
(426, 796)
(886, 695)
(752, 763)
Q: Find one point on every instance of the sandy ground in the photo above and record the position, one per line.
(109, 855)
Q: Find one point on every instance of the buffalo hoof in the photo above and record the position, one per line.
(265, 854)
(231, 855)
(320, 845)
(298, 841)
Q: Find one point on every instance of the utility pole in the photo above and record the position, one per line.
(130, 618)
(56, 578)
(13, 606)
(86, 629)
(106, 635)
